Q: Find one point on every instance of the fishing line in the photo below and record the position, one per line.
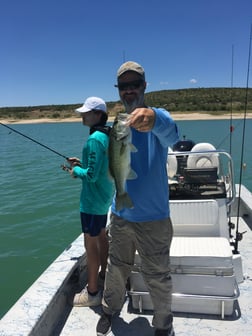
(37, 142)
(231, 127)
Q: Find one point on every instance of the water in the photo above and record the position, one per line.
(39, 208)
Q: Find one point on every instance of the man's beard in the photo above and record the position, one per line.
(138, 102)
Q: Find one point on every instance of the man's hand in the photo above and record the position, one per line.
(142, 119)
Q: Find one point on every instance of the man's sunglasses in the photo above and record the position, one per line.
(129, 85)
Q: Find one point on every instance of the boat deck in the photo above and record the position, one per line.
(82, 320)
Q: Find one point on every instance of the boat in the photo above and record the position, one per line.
(211, 255)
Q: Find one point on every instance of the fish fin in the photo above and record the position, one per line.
(123, 201)
(123, 148)
(132, 175)
(133, 148)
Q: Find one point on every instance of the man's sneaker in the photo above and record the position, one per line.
(84, 299)
(103, 327)
(165, 332)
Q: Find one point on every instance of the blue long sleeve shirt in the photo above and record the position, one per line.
(149, 191)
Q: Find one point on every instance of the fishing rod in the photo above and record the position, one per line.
(231, 225)
(231, 127)
(238, 234)
(37, 142)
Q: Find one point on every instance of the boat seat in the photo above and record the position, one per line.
(202, 157)
(203, 277)
(199, 218)
(171, 165)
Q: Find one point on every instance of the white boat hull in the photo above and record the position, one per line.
(204, 270)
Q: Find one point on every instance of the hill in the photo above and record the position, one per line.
(209, 100)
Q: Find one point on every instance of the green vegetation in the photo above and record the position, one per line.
(209, 100)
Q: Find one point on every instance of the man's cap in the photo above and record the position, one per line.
(92, 103)
(131, 66)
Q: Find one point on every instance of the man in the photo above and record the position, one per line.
(96, 197)
(146, 227)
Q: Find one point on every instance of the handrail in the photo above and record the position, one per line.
(230, 167)
(197, 296)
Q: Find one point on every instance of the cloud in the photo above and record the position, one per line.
(164, 83)
(193, 81)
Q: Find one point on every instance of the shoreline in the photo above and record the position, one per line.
(175, 116)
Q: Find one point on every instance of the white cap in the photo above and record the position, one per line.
(92, 103)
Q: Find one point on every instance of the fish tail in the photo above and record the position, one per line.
(123, 201)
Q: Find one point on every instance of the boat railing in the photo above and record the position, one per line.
(191, 171)
(138, 295)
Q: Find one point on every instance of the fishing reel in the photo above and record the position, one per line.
(65, 168)
(239, 235)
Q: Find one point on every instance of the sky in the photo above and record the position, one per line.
(63, 51)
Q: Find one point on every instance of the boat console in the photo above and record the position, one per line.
(198, 184)
(199, 173)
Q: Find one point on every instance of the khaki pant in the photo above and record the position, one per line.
(152, 240)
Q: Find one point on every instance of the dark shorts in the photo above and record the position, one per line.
(93, 224)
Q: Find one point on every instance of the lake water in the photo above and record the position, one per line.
(39, 207)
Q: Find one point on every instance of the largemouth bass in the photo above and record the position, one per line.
(120, 148)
